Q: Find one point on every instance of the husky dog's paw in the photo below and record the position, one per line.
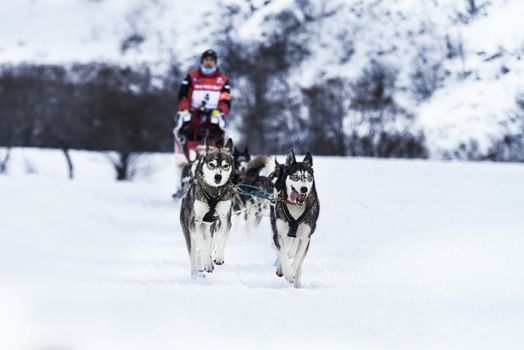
(218, 258)
(289, 275)
(208, 265)
(290, 278)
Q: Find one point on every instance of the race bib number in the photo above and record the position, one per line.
(206, 97)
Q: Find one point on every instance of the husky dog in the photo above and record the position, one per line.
(186, 175)
(254, 207)
(205, 212)
(241, 160)
(294, 217)
(272, 186)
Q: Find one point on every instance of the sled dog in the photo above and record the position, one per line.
(241, 160)
(294, 217)
(205, 213)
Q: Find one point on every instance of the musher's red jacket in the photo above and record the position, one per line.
(211, 89)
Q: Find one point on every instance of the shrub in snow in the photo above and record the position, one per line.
(4, 160)
(377, 125)
(426, 78)
(511, 146)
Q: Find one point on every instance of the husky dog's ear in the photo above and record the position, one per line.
(246, 151)
(276, 163)
(308, 160)
(291, 159)
(229, 145)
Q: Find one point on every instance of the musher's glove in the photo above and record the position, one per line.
(181, 118)
(218, 118)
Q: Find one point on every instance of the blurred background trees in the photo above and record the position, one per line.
(92, 106)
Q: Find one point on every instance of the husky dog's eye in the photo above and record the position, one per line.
(225, 166)
(211, 165)
(294, 177)
(309, 178)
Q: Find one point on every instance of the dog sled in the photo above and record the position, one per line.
(190, 139)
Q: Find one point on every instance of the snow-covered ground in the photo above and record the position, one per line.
(407, 255)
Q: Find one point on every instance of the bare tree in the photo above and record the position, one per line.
(91, 106)
(378, 126)
(472, 8)
(135, 116)
(327, 108)
(4, 160)
(260, 70)
(510, 147)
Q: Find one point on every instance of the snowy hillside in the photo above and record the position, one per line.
(455, 65)
(458, 70)
(407, 255)
(64, 31)
(480, 108)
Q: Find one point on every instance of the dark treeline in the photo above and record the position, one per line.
(87, 106)
(104, 107)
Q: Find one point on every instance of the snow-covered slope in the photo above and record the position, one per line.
(478, 108)
(471, 64)
(407, 255)
(472, 61)
(65, 31)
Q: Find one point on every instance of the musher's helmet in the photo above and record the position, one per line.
(209, 53)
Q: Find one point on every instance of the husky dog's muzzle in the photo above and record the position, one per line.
(299, 198)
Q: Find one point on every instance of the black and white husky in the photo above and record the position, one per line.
(241, 160)
(205, 212)
(254, 207)
(294, 217)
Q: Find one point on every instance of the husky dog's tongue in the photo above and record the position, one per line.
(297, 198)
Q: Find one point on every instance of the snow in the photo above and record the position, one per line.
(407, 255)
(475, 108)
(500, 30)
(65, 31)
(469, 112)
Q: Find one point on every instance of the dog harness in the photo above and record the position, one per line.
(212, 203)
(293, 224)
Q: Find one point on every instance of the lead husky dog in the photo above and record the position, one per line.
(205, 212)
(294, 217)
